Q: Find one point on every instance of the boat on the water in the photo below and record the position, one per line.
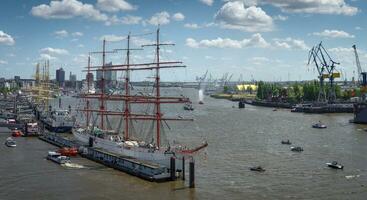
(286, 142)
(57, 157)
(143, 144)
(58, 121)
(335, 165)
(17, 133)
(188, 106)
(257, 168)
(297, 149)
(319, 125)
(65, 151)
(10, 142)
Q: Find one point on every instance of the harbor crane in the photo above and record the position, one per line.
(201, 79)
(359, 68)
(326, 68)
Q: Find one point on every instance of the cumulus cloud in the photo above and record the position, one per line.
(207, 2)
(112, 38)
(6, 39)
(280, 17)
(77, 34)
(339, 7)
(115, 5)
(178, 17)
(3, 62)
(234, 15)
(67, 9)
(61, 33)
(44, 56)
(290, 43)
(256, 40)
(192, 26)
(54, 51)
(128, 20)
(334, 34)
(161, 18)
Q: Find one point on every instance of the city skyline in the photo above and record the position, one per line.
(260, 39)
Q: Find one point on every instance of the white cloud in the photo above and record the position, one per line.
(339, 7)
(334, 34)
(6, 39)
(54, 51)
(61, 33)
(358, 28)
(114, 5)
(207, 2)
(192, 26)
(67, 9)
(280, 17)
(161, 18)
(3, 62)
(44, 56)
(259, 60)
(128, 20)
(178, 17)
(77, 34)
(112, 38)
(234, 15)
(290, 43)
(256, 40)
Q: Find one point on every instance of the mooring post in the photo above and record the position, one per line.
(183, 168)
(90, 142)
(173, 169)
(192, 174)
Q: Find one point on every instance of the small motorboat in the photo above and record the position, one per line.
(275, 109)
(335, 165)
(10, 142)
(201, 102)
(16, 133)
(319, 125)
(57, 157)
(188, 106)
(257, 168)
(297, 149)
(286, 142)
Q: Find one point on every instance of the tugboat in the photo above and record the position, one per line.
(297, 149)
(16, 133)
(57, 157)
(286, 142)
(257, 168)
(10, 142)
(319, 125)
(335, 165)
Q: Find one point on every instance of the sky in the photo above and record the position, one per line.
(254, 39)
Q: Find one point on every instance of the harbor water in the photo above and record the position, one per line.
(237, 138)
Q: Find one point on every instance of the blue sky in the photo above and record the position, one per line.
(263, 39)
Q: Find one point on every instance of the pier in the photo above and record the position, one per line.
(143, 169)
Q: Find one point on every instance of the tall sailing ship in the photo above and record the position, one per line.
(124, 141)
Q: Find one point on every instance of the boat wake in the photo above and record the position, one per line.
(73, 165)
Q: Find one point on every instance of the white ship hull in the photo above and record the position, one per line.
(140, 153)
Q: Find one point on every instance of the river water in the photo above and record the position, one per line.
(237, 140)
